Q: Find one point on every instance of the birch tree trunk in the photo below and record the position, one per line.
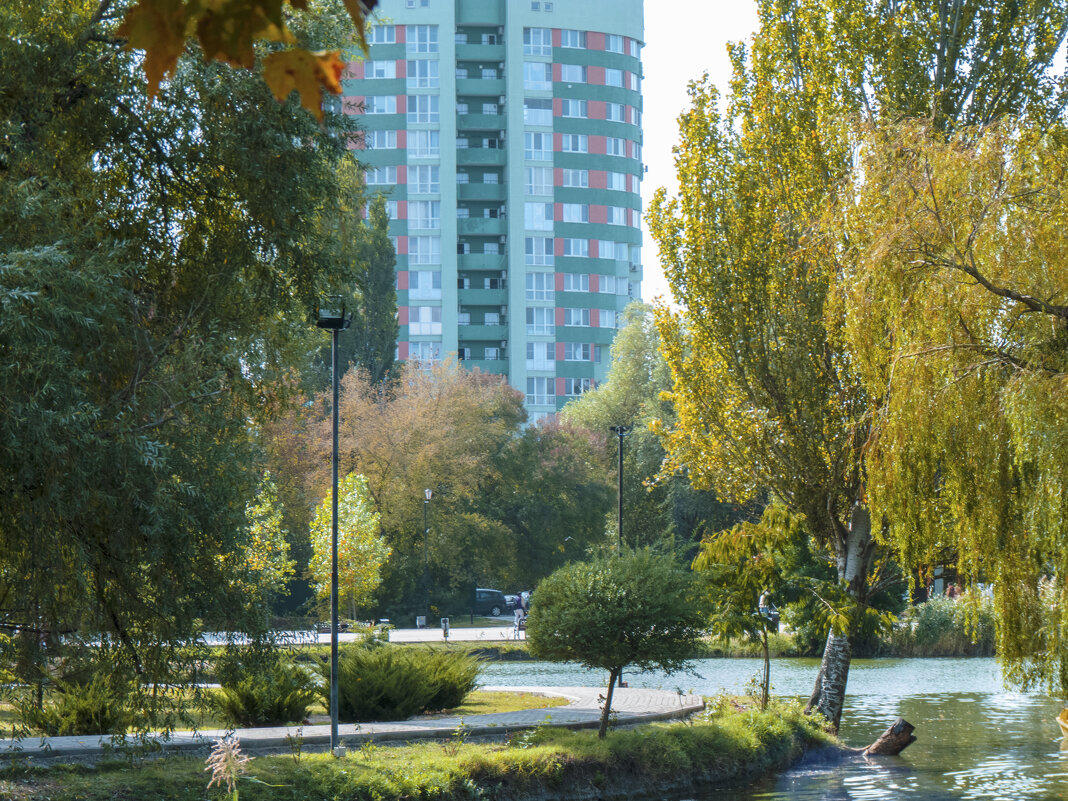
(855, 553)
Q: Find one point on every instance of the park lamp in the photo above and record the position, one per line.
(429, 494)
(333, 316)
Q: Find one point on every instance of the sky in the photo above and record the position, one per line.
(683, 40)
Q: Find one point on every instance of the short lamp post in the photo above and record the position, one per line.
(620, 431)
(427, 494)
(335, 321)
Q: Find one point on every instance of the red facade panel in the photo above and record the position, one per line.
(594, 41)
(402, 174)
(402, 246)
(402, 351)
(402, 69)
(560, 345)
(559, 387)
(402, 206)
(556, 72)
(558, 107)
(556, 37)
(402, 104)
(594, 283)
(558, 279)
(558, 249)
(352, 104)
(597, 145)
(559, 316)
(595, 320)
(596, 109)
(558, 176)
(598, 214)
(402, 139)
(598, 179)
(402, 315)
(595, 76)
(401, 38)
(402, 279)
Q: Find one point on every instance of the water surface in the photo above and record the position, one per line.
(977, 740)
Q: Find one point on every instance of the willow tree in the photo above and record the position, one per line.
(766, 396)
(957, 313)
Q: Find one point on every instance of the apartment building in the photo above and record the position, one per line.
(506, 138)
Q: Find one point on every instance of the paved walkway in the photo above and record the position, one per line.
(632, 705)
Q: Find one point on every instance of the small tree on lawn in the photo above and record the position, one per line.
(638, 609)
(744, 564)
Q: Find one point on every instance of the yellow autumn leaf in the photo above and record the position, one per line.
(303, 72)
(158, 27)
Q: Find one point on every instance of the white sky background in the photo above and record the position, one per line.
(683, 39)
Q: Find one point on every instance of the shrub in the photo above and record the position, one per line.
(265, 692)
(384, 682)
(98, 704)
(945, 627)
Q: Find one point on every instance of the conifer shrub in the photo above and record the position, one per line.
(98, 703)
(264, 691)
(387, 682)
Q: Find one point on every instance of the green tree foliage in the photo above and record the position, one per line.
(155, 277)
(372, 339)
(361, 551)
(637, 608)
(744, 567)
(663, 510)
(766, 397)
(956, 312)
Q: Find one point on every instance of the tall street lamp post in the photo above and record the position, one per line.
(621, 431)
(335, 321)
(426, 570)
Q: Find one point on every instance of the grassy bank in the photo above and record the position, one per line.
(727, 744)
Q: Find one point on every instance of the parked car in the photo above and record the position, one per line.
(489, 602)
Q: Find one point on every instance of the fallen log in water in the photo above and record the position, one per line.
(893, 741)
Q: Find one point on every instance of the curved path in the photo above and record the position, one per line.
(631, 705)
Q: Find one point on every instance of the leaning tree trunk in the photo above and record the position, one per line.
(855, 552)
(613, 674)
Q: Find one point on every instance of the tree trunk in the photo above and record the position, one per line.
(893, 741)
(612, 676)
(855, 551)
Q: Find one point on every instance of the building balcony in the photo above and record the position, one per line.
(481, 226)
(481, 192)
(480, 122)
(499, 366)
(482, 297)
(480, 156)
(483, 53)
(481, 261)
(480, 87)
(482, 333)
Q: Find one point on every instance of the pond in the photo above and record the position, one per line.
(976, 740)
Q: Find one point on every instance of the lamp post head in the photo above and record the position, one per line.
(428, 493)
(333, 316)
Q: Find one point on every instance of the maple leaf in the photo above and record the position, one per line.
(228, 32)
(158, 27)
(304, 72)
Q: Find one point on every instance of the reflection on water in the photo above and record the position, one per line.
(976, 740)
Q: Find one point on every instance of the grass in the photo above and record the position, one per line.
(727, 744)
(476, 703)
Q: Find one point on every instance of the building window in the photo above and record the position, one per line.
(425, 352)
(632, 81)
(424, 180)
(541, 355)
(381, 140)
(537, 146)
(576, 282)
(424, 320)
(381, 104)
(538, 216)
(424, 285)
(576, 39)
(537, 76)
(573, 73)
(579, 248)
(616, 216)
(422, 38)
(382, 175)
(613, 43)
(381, 69)
(491, 318)
(490, 178)
(424, 214)
(492, 354)
(537, 42)
(489, 109)
(423, 74)
(576, 386)
(540, 391)
(382, 34)
(491, 248)
(615, 112)
(424, 250)
(575, 108)
(489, 73)
(613, 77)
(576, 178)
(540, 321)
(607, 318)
(537, 111)
(539, 251)
(606, 249)
(461, 73)
(577, 318)
(462, 178)
(576, 352)
(539, 286)
(615, 146)
(539, 180)
(424, 144)
(575, 213)
(423, 108)
(616, 181)
(574, 143)
(635, 49)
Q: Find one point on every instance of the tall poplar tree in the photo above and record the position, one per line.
(766, 396)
